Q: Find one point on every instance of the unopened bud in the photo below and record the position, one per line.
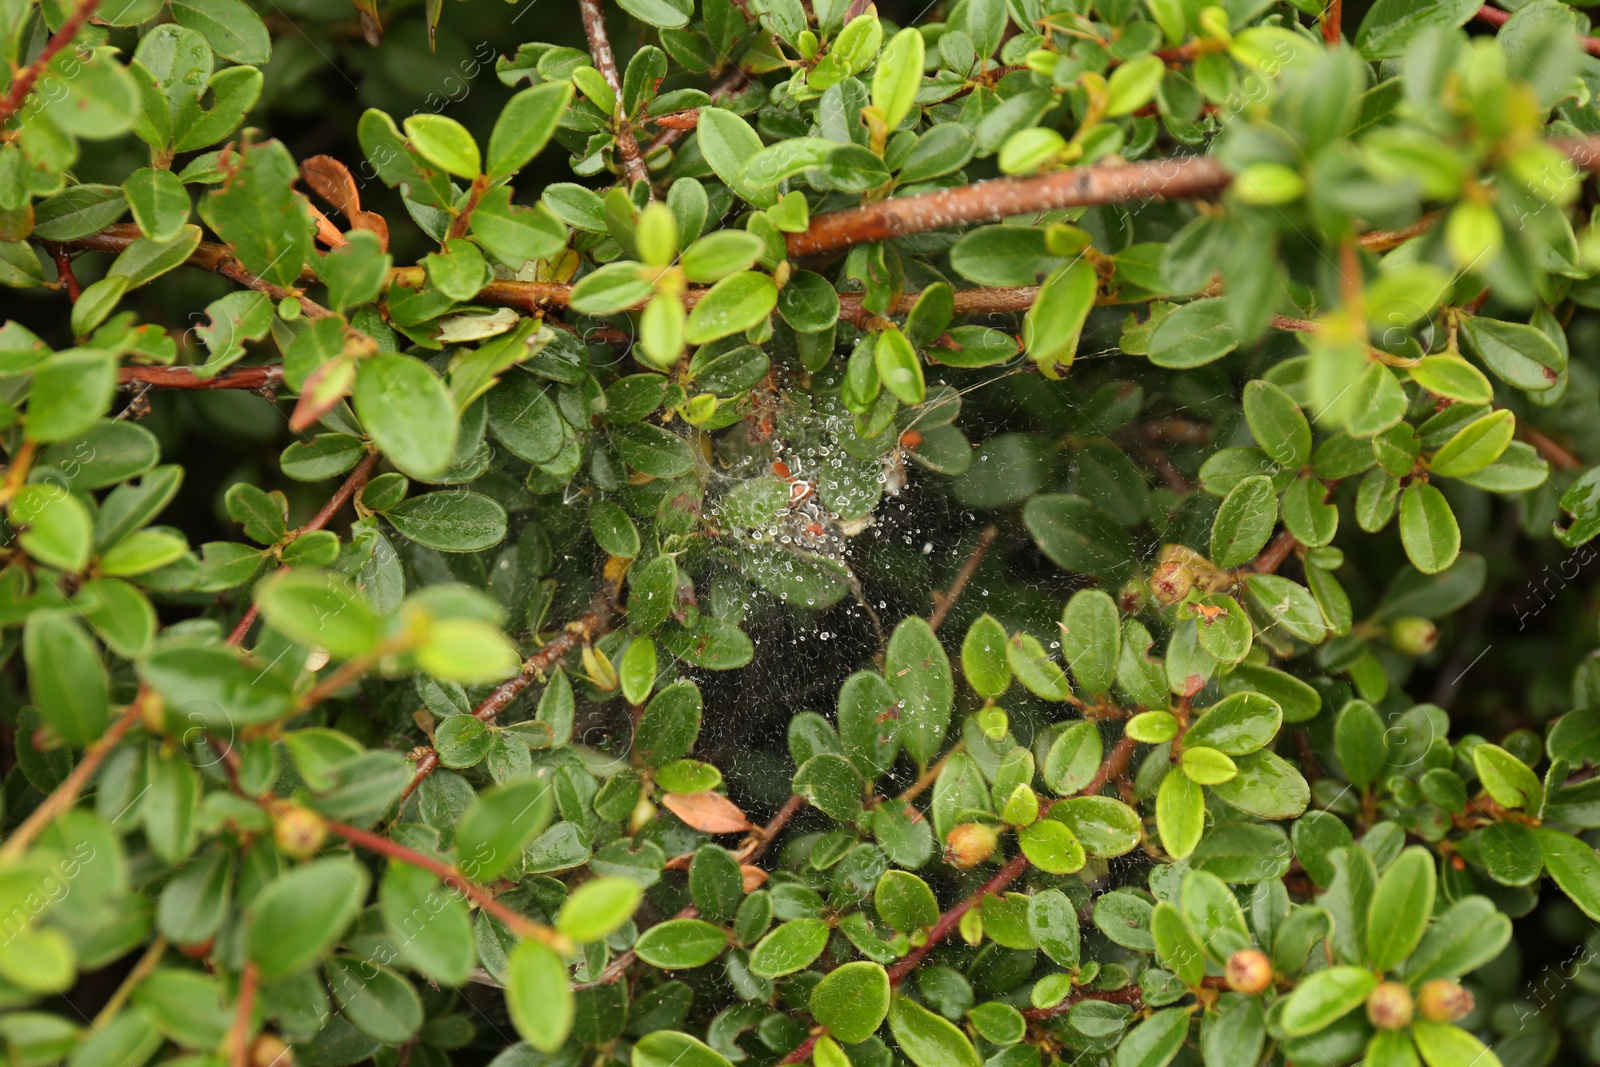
(970, 844)
(1443, 1001)
(1249, 971)
(298, 831)
(270, 1050)
(1171, 581)
(1390, 1006)
(644, 813)
(1413, 635)
(153, 712)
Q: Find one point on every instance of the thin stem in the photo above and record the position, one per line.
(358, 477)
(141, 970)
(952, 918)
(65, 795)
(1497, 18)
(948, 600)
(1557, 456)
(63, 259)
(519, 924)
(239, 1033)
(1332, 32)
(23, 83)
(802, 1051)
(594, 26)
(929, 776)
(725, 88)
(1273, 556)
(261, 379)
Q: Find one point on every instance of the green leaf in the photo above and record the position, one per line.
(1443, 1045)
(1237, 725)
(1244, 522)
(1053, 324)
(70, 390)
(737, 303)
(1507, 779)
(66, 679)
(670, 724)
(899, 74)
(1051, 846)
(316, 608)
(524, 127)
(1325, 996)
(299, 915)
(1266, 786)
(1359, 739)
(1156, 1041)
(832, 785)
(1452, 377)
(679, 944)
(852, 1001)
(230, 27)
(376, 1000)
(1401, 908)
(668, 1048)
(1574, 866)
(918, 672)
(928, 1040)
(493, 831)
(1180, 814)
(983, 657)
(1179, 950)
(1195, 334)
(213, 688)
(160, 203)
(539, 996)
(57, 530)
(409, 413)
(1091, 639)
(1475, 446)
(1390, 25)
(1468, 935)
(726, 141)
(257, 212)
(899, 367)
(451, 521)
(428, 923)
(1518, 354)
(445, 143)
(789, 948)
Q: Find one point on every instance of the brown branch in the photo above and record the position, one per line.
(801, 1052)
(65, 795)
(22, 84)
(261, 379)
(594, 25)
(217, 258)
(1115, 765)
(1332, 32)
(239, 1032)
(359, 477)
(952, 918)
(944, 602)
(670, 135)
(1274, 554)
(68, 279)
(1131, 994)
(998, 198)
(1497, 18)
(519, 924)
(1557, 456)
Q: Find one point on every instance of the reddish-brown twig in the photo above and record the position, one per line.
(261, 379)
(1274, 554)
(517, 923)
(65, 795)
(801, 1052)
(239, 1032)
(358, 478)
(594, 25)
(1497, 18)
(947, 600)
(22, 84)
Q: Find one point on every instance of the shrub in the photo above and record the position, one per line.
(1152, 437)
